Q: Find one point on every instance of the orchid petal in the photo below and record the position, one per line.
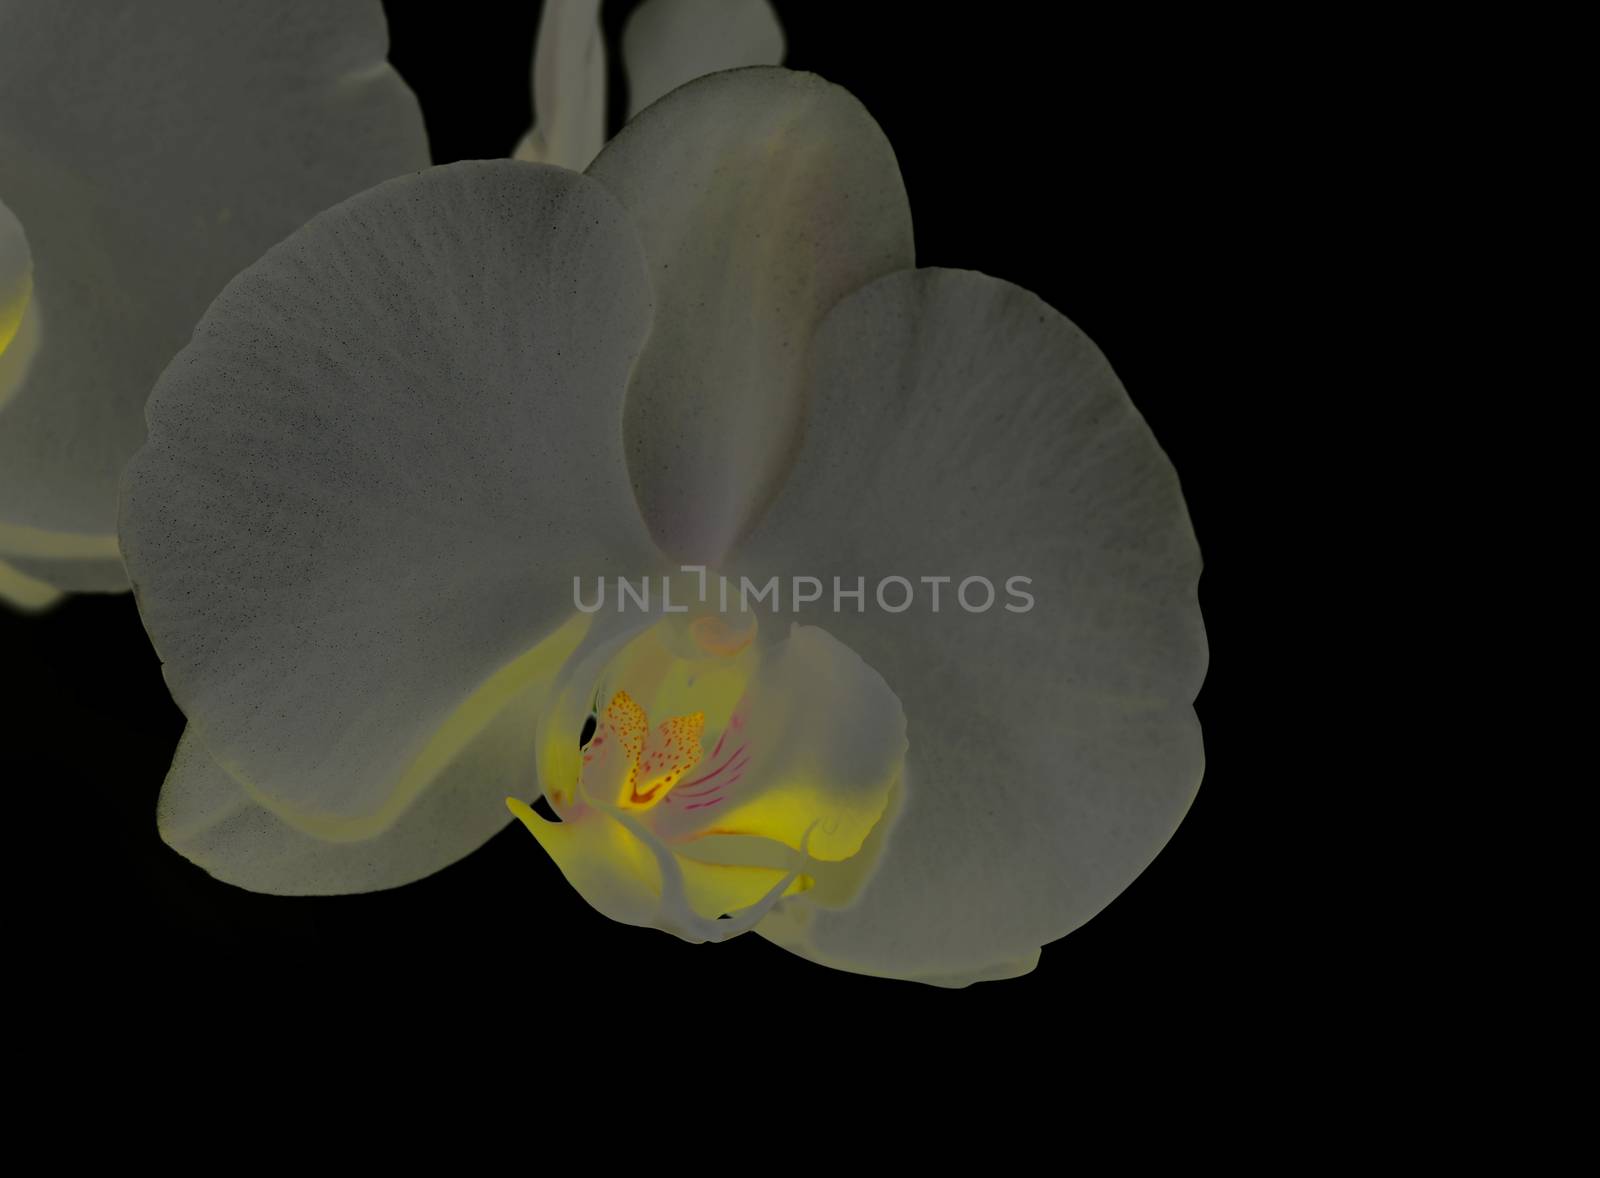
(762, 196)
(150, 152)
(218, 824)
(25, 593)
(75, 574)
(569, 86)
(667, 43)
(960, 427)
(371, 476)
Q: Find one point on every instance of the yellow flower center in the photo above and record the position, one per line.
(696, 777)
(648, 763)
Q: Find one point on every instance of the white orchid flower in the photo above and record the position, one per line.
(397, 441)
(147, 155)
(665, 43)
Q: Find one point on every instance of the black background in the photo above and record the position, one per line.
(1114, 167)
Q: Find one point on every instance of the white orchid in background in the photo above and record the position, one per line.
(665, 43)
(398, 440)
(147, 155)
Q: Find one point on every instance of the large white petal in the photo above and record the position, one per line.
(669, 42)
(150, 152)
(372, 476)
(569, 86)
(215, 822)
(763, 196)
(960, 427)
(207, 817)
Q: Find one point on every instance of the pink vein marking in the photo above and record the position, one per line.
(700, 793)
(715, 771)
(703, 805)
(737, 769)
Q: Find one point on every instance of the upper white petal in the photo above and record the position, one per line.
(762, 197)
(960, 427)
(569, 86)
(373, 474)
(151, 151)
(669, 42)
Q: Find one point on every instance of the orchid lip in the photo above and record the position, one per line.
(698, 794)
